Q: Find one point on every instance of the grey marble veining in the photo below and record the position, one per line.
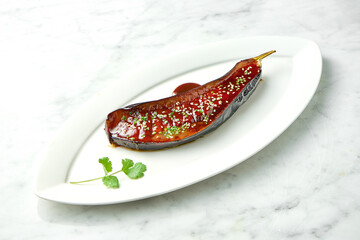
(55, 55)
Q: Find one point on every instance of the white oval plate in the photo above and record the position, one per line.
(291, 76)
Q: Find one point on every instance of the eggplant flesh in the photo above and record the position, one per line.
(187, 116)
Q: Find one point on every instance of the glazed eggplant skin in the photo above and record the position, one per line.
(185, 117)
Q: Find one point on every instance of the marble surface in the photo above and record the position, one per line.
(55, 55)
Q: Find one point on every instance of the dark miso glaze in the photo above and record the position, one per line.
(180, 116)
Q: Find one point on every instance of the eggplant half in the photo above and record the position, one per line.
(186, 116)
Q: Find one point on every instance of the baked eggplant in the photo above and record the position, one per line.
(186, 116)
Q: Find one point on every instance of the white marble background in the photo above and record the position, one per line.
(55, 55)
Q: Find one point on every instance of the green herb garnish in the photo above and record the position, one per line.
(133, 171)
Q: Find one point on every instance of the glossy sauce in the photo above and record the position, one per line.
(183, 115)
(184, 88)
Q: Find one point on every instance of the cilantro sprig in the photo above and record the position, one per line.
(133, 171)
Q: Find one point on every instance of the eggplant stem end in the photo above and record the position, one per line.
(264, 55)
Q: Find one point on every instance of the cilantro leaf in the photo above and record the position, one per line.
(106, 164)
(126, 164)
(111, 181)
(133, 171)
(137, 171)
